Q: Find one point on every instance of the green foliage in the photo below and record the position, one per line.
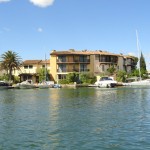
(9, 62)
(135, 72)
(63, 81)
(121, 76)
(142, 63)
(143, 70)
(84, 77)
(72, 77)
(4, 77)
(87, 78)
(16, 79)
(135, 60)
(111, 69)
(43, 75)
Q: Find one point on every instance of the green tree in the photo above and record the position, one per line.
(87, 78)
(72, 77)
(44, 75)
(121, 76)
(142, 65)
(111, 69)
(9, 62)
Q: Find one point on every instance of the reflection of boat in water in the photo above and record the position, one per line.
(4, 85)
(28, 84)
(106, 82)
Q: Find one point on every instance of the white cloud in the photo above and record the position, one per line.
(42, 3)
(40, 30)
(1, 1)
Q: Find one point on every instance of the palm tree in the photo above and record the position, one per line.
(9, 62)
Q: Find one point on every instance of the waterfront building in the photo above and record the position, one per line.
(30, 69)
(93, 62)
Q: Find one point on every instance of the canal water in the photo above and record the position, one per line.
(75, 119)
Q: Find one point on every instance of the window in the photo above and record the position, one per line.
(97, 57)
(62, 68)
(103, 59)
(83, 67)
(83, 58)
(62, 58)
(25, 67)
(30, 66)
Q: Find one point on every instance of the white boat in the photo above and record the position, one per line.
(138, 83)
(56, 86)
(106, 82)
(28, 84)
(43, 85)
(4, 85)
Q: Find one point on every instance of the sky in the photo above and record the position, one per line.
(33, 28)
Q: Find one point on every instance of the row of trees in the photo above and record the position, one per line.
(83, 78)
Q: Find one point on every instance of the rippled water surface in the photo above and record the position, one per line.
(75, 119)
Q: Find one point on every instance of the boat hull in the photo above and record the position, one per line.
(138, 83)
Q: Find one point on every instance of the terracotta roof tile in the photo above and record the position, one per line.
(36, 62)
(84, 52)
(31, 61)
(45, 61)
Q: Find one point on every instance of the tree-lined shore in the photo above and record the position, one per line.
(10, 61)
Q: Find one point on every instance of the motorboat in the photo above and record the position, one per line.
(56, 86)
(28, 84)
(4, 85)
(106, 82)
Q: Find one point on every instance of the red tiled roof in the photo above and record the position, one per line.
(36, 62)
(45, 62)
(84, 52)
(31, 61)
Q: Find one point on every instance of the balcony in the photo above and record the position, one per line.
(129, 63)
(73, 61)
(72, 70)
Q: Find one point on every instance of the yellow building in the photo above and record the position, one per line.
(30, 69)
(94, 62)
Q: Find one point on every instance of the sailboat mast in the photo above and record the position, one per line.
(138, 48)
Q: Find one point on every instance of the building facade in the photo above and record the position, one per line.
(93, 62)
(30, 69)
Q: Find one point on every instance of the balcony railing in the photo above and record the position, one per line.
(73, 61)
(129, 64)
(73, 70)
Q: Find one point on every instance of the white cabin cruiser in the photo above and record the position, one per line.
(106, 82)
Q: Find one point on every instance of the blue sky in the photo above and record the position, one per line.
(33, 28)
